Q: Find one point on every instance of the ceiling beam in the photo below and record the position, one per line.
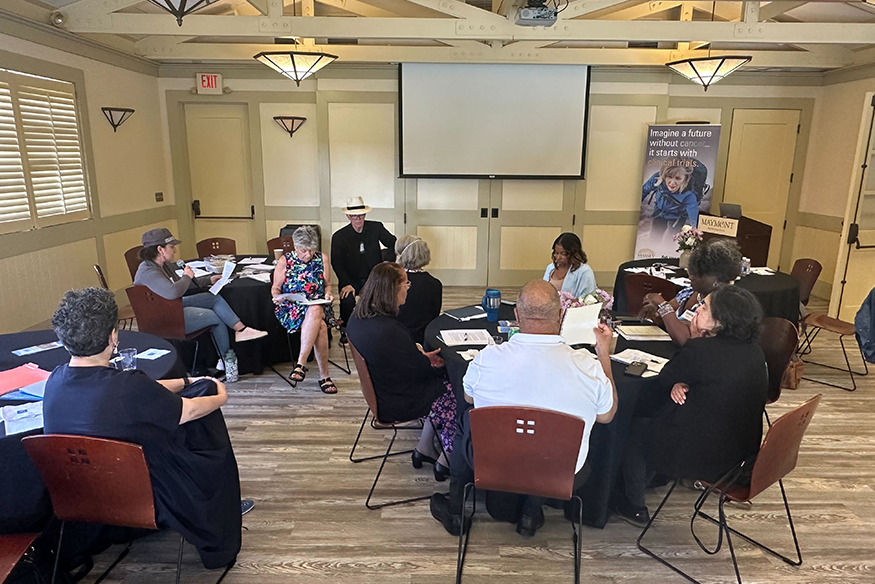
(579, 8)
(639, 10)
(358, 7)
(777, 8)
(481, 28)
(95, 10)
(482, 53)
(457, 9)
(508, 8)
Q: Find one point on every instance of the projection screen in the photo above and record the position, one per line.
(502, 121)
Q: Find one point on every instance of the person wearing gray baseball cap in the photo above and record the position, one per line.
(157, 272)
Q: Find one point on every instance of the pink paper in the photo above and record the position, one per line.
(21, 376)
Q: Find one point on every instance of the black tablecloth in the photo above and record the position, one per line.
(778, 294)
(606, 441)
(24, 504)
(251, 300)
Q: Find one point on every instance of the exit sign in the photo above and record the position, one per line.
(208, 83)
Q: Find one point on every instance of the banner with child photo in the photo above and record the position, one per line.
(678, 180)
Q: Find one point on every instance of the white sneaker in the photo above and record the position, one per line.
(249, 334)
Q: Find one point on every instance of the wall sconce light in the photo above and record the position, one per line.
(290, 124)
(116, 116)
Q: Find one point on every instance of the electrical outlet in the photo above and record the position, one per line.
(159, 197)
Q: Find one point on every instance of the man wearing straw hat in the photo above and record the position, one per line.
(355, 250)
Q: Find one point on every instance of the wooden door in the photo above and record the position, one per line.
(220, 167)
(762, 145)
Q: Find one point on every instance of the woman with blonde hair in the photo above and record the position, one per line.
(426, 292)
(676, 204)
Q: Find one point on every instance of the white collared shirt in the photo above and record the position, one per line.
(541, 371)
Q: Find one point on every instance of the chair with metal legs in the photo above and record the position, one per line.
(371, 398)
(815, 323)
(776, 458)
(286, 378)
(528, 451)
(14, 548)
(94, 480)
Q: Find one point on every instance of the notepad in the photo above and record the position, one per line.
(643, 333)
(454, 337)
(250, 261)
(466, 313)
(578, 324)
(301, 298)
(22, 376)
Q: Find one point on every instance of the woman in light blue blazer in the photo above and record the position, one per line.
(569, 271)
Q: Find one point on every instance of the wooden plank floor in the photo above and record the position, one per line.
(310, 525)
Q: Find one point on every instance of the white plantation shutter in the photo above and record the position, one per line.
(53, 149)
(14, 204)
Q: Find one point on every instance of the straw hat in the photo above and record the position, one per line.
(355, 206)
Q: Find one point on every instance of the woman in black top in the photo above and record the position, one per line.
(706, 404)
(424, 298)
(408, 382)
(191, 463)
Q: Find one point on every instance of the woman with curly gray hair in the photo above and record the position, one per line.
(304, 272)
(713, 264)
(185, 442)
(425, 295)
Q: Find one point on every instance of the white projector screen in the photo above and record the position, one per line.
(502, 121)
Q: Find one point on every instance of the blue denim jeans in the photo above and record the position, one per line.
(203, 310)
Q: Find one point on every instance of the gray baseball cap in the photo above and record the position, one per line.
(160, 236)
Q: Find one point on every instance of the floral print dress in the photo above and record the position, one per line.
(302, 278)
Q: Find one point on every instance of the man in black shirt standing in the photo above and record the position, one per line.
(355, 250)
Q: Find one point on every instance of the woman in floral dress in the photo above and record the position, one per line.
(302, 271)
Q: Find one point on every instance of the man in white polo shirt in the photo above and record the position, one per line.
(534, 369)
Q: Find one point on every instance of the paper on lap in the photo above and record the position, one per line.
(578, 324)
(301, 299)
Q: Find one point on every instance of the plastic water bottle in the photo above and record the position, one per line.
(745, 266)
(231, 366)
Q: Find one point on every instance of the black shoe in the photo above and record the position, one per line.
(418, 458)
(631, 514)
(440, 510)
(531, 521)
(441, 472)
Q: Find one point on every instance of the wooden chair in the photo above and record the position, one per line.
(528, 451)
(371, 399)
(776, 458)
(126, 316)
(778, 339)
(161, 317)
(814, 323)
(284, 242)
(94, 480)
(806, 271)
(132, 258)
(216, 246)
(14, 547)
(640, 285)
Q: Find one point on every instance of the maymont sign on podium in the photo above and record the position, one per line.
(718, 225)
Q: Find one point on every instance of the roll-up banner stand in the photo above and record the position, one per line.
(677, 186)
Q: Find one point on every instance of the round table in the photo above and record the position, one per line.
(25, 503)
(606, 441)
(251, 300)
(778, 293)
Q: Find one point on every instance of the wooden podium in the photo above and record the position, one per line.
(753, 238)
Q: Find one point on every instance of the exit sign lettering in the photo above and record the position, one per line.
(208, 83)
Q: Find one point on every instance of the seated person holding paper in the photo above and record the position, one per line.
(713, 264)
(425, 296)
(704, 413)
(303, 271)
(191, 463)
(157, 273)
(409, 383)
(534, 369)
(569, 271)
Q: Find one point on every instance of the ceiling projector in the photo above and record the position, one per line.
(536, 14)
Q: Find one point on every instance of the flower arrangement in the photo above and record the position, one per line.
(597, 297)
(688, 238)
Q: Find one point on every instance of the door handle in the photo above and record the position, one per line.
(495, 212)
(483, 213)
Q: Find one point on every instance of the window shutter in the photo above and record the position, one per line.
(14, 205)
(53, 148)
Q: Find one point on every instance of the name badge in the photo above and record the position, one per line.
(362, 247)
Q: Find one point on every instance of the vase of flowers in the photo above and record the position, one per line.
(688, 239)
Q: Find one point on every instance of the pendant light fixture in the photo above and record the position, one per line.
(296, 65)
(180, 8)
(706, 71)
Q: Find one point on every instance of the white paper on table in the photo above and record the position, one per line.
(226, 277)
(197, 264)
(455, 337)
(643, 333)
(261, 267)
(302, 299)
(762, 271)
(248, 261)
(22, 418)
(198, 273)
(260, 277)
(654, 363)
(578, 324)
(637, 270)
(469, 354)
(152, 354)
(682, 282)
(37, 348)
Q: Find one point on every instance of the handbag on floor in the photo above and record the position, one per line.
(793, 373)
